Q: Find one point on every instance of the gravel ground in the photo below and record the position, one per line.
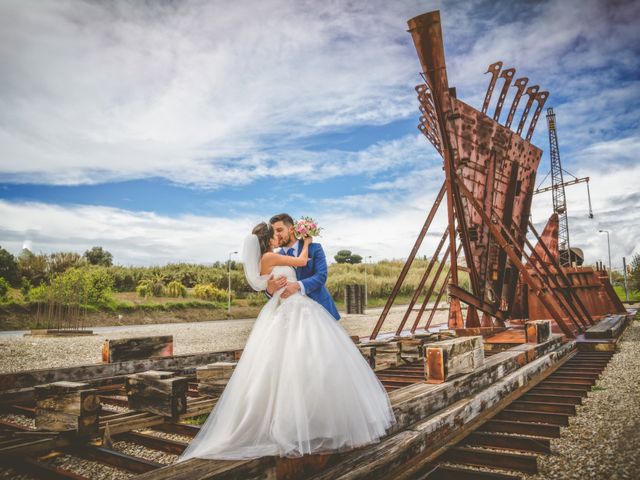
(135, 450)
(18, 352)
(90, 469)
(603, 440)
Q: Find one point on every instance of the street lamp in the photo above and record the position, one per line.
(366, 297)
(229, 277)
(609, 249)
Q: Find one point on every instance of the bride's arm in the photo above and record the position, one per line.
(271, 259)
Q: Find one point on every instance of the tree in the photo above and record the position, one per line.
(345, 256)
(634, 273)
(60, 262)
(99, 256)
(4, 289)
(33, 267)
(9, 267)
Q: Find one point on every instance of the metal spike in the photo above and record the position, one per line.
(541, 98)
(508, 75)
(531, 92)
(520, 84)
(494, 70)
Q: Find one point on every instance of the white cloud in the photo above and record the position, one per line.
(95, 92)
(383, 223)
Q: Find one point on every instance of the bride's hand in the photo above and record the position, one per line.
(308, 240)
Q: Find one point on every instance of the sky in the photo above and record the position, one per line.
(164, 131)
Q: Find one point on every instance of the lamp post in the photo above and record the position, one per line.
(609, 250)
(229, 277)
(366, 295)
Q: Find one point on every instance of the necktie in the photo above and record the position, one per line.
(290, 252)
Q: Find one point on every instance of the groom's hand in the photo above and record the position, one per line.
(274, 284)
(292, 287)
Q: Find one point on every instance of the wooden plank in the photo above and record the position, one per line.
(202, 469)
(156, 392)
(608, 327)
(537, 331)
(17, 383)
(138, 348)
(450, 358)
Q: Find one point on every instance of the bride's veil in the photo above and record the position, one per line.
(251, 262)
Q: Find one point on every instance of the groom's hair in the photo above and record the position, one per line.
(282, 217)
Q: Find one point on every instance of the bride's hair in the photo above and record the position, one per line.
(264, 232)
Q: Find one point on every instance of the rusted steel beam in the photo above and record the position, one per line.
(407, 265)
(443, 287)
(508, 249)
(422, 282)
(564, 302)
(470, 299)
(561, 273)
(436, 277)
(427, 36)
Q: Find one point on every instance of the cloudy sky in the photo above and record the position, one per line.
(164, 130)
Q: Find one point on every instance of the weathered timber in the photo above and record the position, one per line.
(369, 353)
(533, 351)
(213, 378)
(63, 406)
(537, 331)
(387, 354)
(138, 348)
(609, 327)
(201, 469)
(450, 358)
(391, 456)
(411, 349)
(157, 392)
(18, 386)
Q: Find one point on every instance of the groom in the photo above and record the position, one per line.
(312, 277)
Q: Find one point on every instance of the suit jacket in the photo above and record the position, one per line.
(314, 277)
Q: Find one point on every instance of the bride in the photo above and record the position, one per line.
(301, 385)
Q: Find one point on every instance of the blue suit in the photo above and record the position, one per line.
(314, 276)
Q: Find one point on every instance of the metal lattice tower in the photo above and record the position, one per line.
(559, 198)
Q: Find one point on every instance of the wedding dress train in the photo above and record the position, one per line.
(301, 386)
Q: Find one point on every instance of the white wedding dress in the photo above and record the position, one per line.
(301, 386)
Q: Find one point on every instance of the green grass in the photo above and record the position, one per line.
(634, 296)
(199, 420)
(597, 388)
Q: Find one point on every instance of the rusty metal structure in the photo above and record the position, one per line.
(490, 168)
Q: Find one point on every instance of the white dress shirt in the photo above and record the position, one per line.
(295, 254)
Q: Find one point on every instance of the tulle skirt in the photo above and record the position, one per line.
(301, 387)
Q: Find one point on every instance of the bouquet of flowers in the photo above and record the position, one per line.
(306, 227)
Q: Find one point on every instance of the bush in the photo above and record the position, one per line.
(4, 289)
(144, 289)
(38, 294)
(82, 286)
(176, 289)
(157, 288)
(256, 299)
(207, 291)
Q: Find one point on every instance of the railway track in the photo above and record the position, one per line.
(130, 443)
(70, 458)
(507, 445)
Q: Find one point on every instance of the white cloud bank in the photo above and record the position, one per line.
(192, 91)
